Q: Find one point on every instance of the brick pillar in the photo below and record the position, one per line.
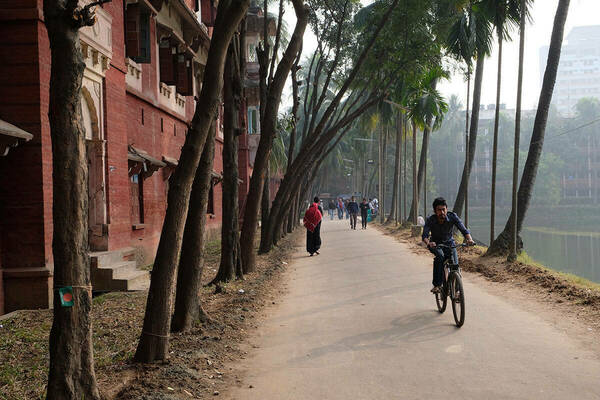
(26, 172)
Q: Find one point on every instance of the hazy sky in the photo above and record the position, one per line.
(538, 32)
(581, 13)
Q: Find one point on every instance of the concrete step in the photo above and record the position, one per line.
(137, 280)
(117, 271)
(120, 270)
(101, 259)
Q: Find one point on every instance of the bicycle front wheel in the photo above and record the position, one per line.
(441, 298)
(457, 296)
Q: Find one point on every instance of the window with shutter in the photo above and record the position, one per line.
(132, 22)
(184, 75)
(137, 33)
(210, 207)
(137, 198)
(209, 12)
(144, 56)
(167, 62)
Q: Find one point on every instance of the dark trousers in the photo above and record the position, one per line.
(353, 220)
(438, 263)
(363, 217)
(313, 239)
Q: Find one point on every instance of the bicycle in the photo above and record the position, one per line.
(452, 287)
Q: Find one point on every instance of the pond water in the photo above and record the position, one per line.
(575, 253)
(564, 250)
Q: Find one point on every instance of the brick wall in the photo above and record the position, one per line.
(23, 208)
(26, 173)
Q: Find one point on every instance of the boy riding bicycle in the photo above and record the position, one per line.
(441, 226)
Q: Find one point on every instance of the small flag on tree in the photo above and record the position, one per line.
(66, 296)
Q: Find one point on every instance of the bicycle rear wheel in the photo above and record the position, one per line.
(457, 297)
(441, 299)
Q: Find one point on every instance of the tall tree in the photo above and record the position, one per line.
(427, 106)
(268, 132)
(154, 340)
(512, 256)
(397, 159)
(230, 266)
(191, 261)
(470, 38)
(502, 242)
(71, 372)
(504, 13)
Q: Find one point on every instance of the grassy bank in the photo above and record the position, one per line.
(563, 287)
(197, 366)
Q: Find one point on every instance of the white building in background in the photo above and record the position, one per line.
(579, 69)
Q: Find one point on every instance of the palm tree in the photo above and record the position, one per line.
(512, 256)
(515, 222)
(428, 106)
(504, 14)
(470, 38)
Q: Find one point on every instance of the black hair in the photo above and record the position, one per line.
(316, 199)
(440, 201)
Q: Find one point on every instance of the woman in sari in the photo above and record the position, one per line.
(312, 222)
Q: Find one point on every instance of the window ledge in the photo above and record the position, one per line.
(137, 227)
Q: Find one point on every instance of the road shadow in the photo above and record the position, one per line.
(419, 327)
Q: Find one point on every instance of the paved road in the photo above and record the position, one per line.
(359, 323)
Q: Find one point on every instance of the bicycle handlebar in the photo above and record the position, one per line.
(454, 247)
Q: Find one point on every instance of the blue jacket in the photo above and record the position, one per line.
(353, 207)
(442, 233)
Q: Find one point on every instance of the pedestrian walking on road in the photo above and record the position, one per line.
(364, 212)
(331, 208)
(346, 208)
(353, 211)
(312, 222)
(340, 208)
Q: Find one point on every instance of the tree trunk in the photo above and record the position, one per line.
(380, 191)
(230, 266)
(191, 261)
(501, 243)
(382, 202)
(253, 200)
(422, 163)
(154, 341)
(404, 162)
(415, 188)
(400, 161)
(71, 371)
(265, 205)
(512, 256)
(495, 146)
(472, 142)
(395, 200)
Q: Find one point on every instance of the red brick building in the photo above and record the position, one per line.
(144, 64)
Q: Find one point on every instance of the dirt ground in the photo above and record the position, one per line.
(200, 362)
(572, 306)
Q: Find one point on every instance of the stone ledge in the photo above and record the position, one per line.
(19, 273)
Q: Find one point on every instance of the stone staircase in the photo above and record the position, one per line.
(117, 271)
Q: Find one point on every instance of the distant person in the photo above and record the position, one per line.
(346, 208)
(312, 222)
(340, 208)
(440, 227)
(420, 220)
(375, 206)
(364, 212)
(353, 211)
(331, 208)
